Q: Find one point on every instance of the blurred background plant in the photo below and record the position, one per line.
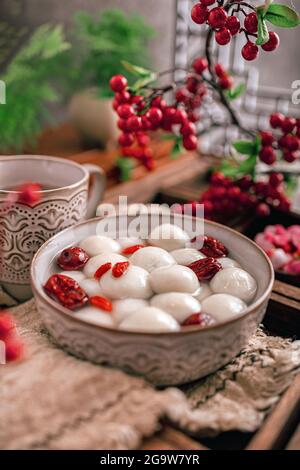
(30, 87)
(103, 41)
(48, 68)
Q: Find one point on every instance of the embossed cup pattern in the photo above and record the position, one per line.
(24, 229)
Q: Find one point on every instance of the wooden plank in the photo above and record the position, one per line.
(145, 189)
(171, 439)
(287, 290)
(283, 316)
(280, 424)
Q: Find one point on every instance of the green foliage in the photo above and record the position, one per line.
(291, 184)
(47, 64)
(247, 147)
(125, 166)
(234, 93)
(279, 15)
(282, 16)
(104, 42)
(262, 32)
(145, 76)
(238, 168)
(29, 87)
(235, 169)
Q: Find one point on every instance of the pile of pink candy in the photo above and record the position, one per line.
(282, 245)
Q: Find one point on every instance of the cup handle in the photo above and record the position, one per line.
(97, 188)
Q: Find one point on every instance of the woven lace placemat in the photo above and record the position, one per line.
(51, 400)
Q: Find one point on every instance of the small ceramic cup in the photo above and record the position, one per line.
(66, 199)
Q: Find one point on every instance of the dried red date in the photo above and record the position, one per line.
(66, 291)
(201, 319)
(205, 268)
(72, 258)
(210, 246)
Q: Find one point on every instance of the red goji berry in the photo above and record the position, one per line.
(131, 249)
(202, 319)
(102, 303)
(102, 270)
(120, 268)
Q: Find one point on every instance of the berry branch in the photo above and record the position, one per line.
(234, 118)
(174, 108)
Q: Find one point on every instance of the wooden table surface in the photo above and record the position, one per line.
(181, 179)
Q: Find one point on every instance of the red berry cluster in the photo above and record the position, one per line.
(284, 138)
(138, 115)
(227, 198)
(191, 95)
(225, 81)
(133, 122)
(14, 347)
(217, 18)
(227, 25)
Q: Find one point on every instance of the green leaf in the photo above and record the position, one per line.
(257, 145)
(145, 76)
(265, 7)
(125, 166)
(168, 137)
(245, 147)
(31, 83)
(143, 82)
(103, 39)
(291, 184)
(262, 32)
(234, 170)
(177, 149)
(136, 70)
(282, 16)
(236, 92)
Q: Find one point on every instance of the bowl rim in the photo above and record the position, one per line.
(189, 329)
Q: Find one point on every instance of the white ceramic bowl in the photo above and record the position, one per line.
(163, 358)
